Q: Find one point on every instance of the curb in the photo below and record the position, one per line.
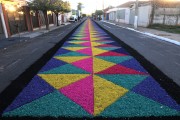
(148, 34)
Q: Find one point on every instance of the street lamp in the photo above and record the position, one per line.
(136, 15)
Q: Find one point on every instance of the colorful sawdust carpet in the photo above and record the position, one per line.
(92, 75)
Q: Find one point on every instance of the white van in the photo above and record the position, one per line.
(73, 18)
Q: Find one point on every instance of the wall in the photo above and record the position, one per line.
(123, 15)
(112, 15)
(167, 16)
(144, 13)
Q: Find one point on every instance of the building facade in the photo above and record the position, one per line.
(164, 13)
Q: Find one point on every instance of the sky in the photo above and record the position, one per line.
(91, 5)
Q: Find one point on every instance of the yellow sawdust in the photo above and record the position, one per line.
(93, 38)
(77, 42)
(100, 65)
(71, 59)
(97, 51)
(95, 44)
(61, 80)
(105, 93)
(74, 48)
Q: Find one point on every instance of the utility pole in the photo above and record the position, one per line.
(103, 10)
(136, 15)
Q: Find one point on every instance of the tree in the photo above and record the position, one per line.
(99, 12)
(66, 7)
(44, 6)
(57, 8)
(79, 6)
(60, 7)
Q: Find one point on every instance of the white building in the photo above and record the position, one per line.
(168, 14)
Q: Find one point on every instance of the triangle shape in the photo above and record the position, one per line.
(97, 51)
(86, 38)
(134, 105)
(106, 45)
(126, 81)
(74, 48)
(114, 43)
(104, 41)
(100, 65)
(34, 90)
(73, 45)
(65, 69)
(88, 44)
(121, 50)
(73, 54)
(108, 48)
(95, 44)
(52, 105)
(76, 42)
(61, 51)
(85, 64)
(151, 89)
(133, 64)
(71, 59)
(115, 59)
(105, 93)
(53, 63)
(87, 51)
(111, 54)
(61, 80)
(81, 93)
(118, 69)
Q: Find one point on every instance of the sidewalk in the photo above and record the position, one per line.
(39, 31)
(24, 36)
(16, 58)
(151, 32)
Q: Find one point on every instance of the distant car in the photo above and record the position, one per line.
(72, 19)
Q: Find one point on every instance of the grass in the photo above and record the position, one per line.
(167, 28)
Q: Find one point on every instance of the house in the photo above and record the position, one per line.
(126, 13)
(106, 14)
(14, 17)
(157, 12)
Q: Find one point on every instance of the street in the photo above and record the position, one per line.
(98, 70)
(163, 55)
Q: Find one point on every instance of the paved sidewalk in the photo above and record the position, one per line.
(25, 36)
(172, 36)
(16, 58)
(39, 31)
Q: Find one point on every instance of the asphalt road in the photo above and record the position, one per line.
(163, 55)
(19, 57)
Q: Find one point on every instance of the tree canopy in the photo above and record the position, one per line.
(55, 6)
(79, 6)
(99, 12)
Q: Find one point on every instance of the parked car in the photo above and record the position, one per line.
(73, 19)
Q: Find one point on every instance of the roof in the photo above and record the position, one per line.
(171, 4)
(158, 3)
(130, 3)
